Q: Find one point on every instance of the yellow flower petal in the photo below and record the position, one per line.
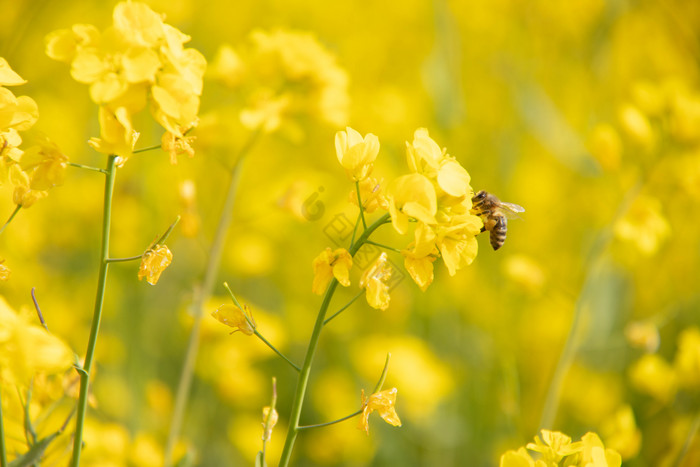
(7, 76)
(232, 316)
(154, 262)
(383, 402)
(329, 264)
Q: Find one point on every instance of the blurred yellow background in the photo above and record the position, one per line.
(586, 113)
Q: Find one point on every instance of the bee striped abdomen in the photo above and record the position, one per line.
(498, 232)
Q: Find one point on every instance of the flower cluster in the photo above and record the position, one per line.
(137, 61)
(555, 447)
(437, 195)
(33, 171)
(283, 75)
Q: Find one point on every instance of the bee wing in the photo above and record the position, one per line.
(511, 210)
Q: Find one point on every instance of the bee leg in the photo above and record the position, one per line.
(483, 229)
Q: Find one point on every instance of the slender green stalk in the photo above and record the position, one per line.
(123, 260)
(319, 425)
(354, 230)
(157, 242)
(87, 167)
(345, 307)
(97, 314)
(38, 311)
(167, 233)
(381, 245)
(200, 297)
(359, 203)
(252, 324)
(274, 349)
(3, 449)
(303, 380)
(149, 148)
(382, 378)
(12, 216)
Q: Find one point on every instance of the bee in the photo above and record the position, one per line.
(495, 214)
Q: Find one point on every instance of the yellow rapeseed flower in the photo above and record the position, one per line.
(652, 375)
(154, 262)
(26, 349)
(329, 264)
(621, 433)
(554, 446)
(239, 319)
(177, 144)
(594, 453)
(374, 280)
(411, 196)
(383, 402)
(519, 458)
(23, 194)
(45, 163)
(356, 153)
(644, 225)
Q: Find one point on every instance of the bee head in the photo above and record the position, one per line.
(479, 196)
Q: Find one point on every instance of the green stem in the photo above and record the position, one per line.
(359, 203)
(354, 230)
(87, 167)
(3, 449)
(345, 307)
(303, 380)
(386, 247)
(167, 233)
(12, 216)
(97, 314)
(385, 370)
(200, 297)
(319, 425)
(274, 349)
(149, 148)
(123, 260)
(252, 324)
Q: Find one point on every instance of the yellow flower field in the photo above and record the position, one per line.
(477, 219)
